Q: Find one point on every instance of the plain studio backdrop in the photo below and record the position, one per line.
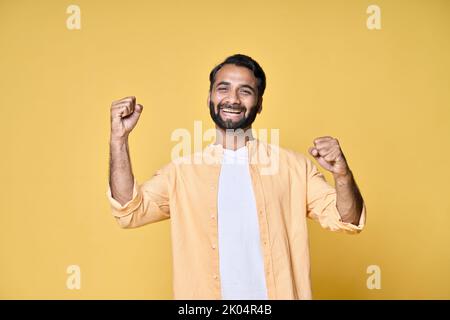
(384, 93)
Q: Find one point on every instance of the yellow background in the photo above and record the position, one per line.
(383, 93)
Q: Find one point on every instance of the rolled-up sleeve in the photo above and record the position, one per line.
(322, 200)
(149, 203)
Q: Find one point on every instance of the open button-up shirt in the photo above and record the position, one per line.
(288, 188)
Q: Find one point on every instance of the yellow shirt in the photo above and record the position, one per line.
(288, 188)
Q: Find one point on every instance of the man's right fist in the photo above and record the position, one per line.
(124, 116)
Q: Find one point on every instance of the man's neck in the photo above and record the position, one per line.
(233, 139)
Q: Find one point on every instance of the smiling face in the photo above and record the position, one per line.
(234, 100)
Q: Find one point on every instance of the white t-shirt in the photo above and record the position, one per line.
(240, 255)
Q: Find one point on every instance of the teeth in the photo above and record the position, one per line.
(231, 111)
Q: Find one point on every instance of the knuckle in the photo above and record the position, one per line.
(130, 99)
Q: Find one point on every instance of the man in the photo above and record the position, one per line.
(236, 233)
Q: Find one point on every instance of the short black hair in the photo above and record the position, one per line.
(242, 60)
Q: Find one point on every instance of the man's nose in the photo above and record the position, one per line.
(233, 98)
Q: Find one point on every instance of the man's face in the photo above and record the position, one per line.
(233, 100)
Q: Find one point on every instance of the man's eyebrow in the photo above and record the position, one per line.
(244, 85)
(222, 82)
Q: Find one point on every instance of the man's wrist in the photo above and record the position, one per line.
(343, 178)
(118, 139)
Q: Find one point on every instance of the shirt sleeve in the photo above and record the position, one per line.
(149, 203)
(321, 203)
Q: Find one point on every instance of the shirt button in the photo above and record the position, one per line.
(213, 216)
(215, 276)
(213, 246)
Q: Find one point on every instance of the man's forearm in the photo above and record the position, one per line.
(349, 199)
(121, 177)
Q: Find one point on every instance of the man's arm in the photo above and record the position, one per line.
(120, 173)
(133, 205)
(349, 201)
(124, 116)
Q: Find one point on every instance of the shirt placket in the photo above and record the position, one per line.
(213, 189)
(264, 231)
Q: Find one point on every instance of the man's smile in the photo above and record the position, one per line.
(231, 113)
(228, 110)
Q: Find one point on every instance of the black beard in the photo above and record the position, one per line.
(243, 123)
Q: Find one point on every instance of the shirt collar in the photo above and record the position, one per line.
(215, 151)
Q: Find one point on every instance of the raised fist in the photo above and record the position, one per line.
(124, 116)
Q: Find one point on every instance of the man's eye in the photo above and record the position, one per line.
(246, 92)
(222, 89)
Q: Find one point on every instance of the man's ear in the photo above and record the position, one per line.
(260, 104)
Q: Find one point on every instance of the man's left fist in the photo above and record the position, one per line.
(328, 153)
